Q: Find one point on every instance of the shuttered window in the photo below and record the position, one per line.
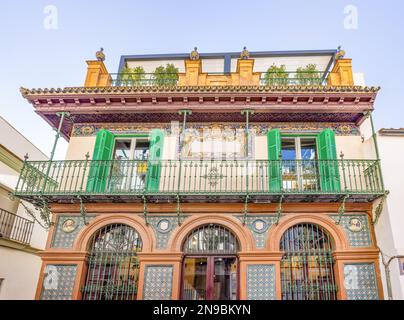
(328, 165)
(99, 169)
(156, 153)
(274, 165)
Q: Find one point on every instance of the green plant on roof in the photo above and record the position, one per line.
(167, 75)
(132, 76)
(276, 75)
(308, 75)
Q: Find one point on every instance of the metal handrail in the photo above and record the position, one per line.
(266, 78)
(14, 227)
(201, 177)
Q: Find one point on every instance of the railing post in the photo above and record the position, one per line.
(247, 113)
(84, 170)
(343, 168)
(62, 116)
(22, 170)
(374, 136)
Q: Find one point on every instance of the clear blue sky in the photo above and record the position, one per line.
(32, 56)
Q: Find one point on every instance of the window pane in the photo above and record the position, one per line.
(288, 149)
(308, 148)
(141, 150)
(122, 149)
(195, 270)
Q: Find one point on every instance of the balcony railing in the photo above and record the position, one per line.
(200, 178)
(305, 78)
(143, 79)
(266, 78)
(15, 228)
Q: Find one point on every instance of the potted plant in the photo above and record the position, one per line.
(308, 75)
(167, 75)
(276, 75)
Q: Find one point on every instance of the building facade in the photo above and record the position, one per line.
(21, 238)
(390, 224)
(210, 176)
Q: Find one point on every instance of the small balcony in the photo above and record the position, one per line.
(201, 180)
(16, 228)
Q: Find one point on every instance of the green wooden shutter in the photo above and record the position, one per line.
(274, 167)
(99, 169)
(154, 167)
(328, 164)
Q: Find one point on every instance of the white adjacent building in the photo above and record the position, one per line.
(20, 237)
(390, 226)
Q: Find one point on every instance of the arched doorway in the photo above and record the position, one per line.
(307, 264)
(210, 264)
(113, 265)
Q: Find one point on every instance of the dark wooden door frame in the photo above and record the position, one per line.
(210, 260)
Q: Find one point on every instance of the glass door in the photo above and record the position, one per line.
(299, 166)
(225, 279)
(210, 278)
(128, 171)
(194, 281)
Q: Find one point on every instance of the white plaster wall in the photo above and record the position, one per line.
(79, 146)
(150, 65)
(291, 63)
(212, 65)
(390, 227)
(17, 143)
(208, 64)
(9, 178)
(351, 146)
(170, 147)
(260, 148)
(20, 269)
(39, 234)
(5, 202)
(20, 274)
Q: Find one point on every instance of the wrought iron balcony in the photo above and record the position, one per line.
(201, 180)
(15, 228)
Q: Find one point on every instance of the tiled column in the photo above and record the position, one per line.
(159, 276)
(62, 275)
(358, 275)
(260, 275)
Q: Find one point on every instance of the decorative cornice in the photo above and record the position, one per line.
(8, 243)
(140, 104)
(189, 89)
(394, 132)
(10, 159)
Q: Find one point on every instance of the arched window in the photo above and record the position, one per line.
(307, 264)
(113, 265)
(211, 239)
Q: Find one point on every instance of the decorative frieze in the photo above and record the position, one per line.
(356, 228)
(340, 128)
(259, 226)
(66, 230)
(163, 227)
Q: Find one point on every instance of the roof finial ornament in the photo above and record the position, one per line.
(100, 55)
(194, 55)
(340, 53)
(245, 54)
